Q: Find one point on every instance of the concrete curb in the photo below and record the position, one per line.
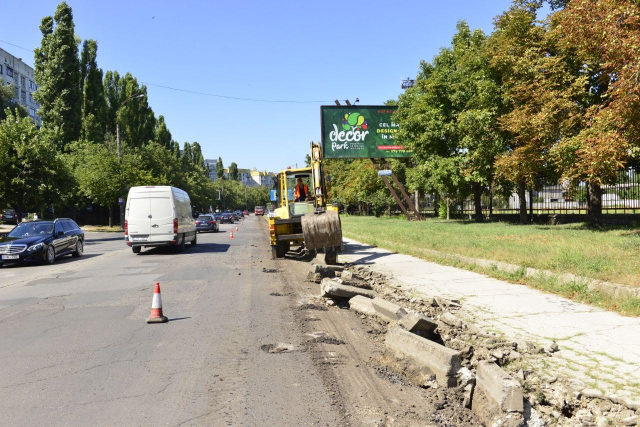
(504, 391)
(362, 305)
(414, 322)
(333, 288)
(387, 310)
(438, 359)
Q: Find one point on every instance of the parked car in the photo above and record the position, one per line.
(245, 212)
(239, 214)
(158, 216)
(259, 210)
(227, 217)
(9, 216)
(207, 222)
(218, 216)
(42, 241)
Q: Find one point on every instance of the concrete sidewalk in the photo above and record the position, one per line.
(599, 348)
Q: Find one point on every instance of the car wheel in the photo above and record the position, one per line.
(183, 245)
(79, 247)
(136, 249)
(195, 240)
(50, 255)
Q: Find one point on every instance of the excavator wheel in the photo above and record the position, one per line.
(280, 250)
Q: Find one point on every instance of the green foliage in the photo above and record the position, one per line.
(57, 71)
(32, 167)
(127, 103)
(220, 168)
(233, 172)
(94, 107)
(162, 134)
(8, 99)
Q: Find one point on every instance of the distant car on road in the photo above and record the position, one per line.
(227, 217)
(218, 216)
(245, 212)
(9, 216)
(239, 214)
(207, 223)
(42, 241)
(259, 210)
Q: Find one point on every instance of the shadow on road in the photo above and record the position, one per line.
(64, 260)
(198, 249)
(360, 249)
(177, 318)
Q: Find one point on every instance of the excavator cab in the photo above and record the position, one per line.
(309, 223)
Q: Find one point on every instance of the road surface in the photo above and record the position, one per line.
(240, 348)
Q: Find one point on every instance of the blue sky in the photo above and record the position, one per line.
(275, 50)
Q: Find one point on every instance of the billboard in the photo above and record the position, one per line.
(359, 131)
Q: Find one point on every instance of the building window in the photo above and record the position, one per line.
(0, 69)
(23, 96)
(9, 72)
(23, 82)
(32, 85)
(32, 112)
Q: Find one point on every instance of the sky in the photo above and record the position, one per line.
(274, 50)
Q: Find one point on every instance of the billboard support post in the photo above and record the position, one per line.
(391, 189)
(404, 193)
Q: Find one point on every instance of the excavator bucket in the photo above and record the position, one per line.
(322, 230)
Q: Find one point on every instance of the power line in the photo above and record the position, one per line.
(239, 98)
(235, 97)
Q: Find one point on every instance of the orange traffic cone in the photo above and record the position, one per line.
(236, 228)
(231, 234)
(156, 307)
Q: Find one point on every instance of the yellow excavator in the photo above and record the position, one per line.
(305, 220)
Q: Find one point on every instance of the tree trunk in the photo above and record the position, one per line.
(490, 200)
(20, 209)
(448, 209)
(110, 216)
(436, 207)
(595, 204)
(522, 191)
(477, 200)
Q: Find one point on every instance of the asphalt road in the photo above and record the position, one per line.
(75, 348)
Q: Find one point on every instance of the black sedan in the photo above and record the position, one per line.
(206, 223)
(227, 217)
(9, 216)
(42, 241)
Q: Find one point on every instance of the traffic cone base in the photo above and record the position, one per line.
(156, 307)
(231, 234)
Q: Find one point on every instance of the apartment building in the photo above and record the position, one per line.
(15, 72)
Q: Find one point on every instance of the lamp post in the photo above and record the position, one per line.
(121, 204)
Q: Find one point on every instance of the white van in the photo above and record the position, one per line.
(158, 216)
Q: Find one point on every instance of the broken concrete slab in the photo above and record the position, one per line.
(414, 322)
(362, 305)
(438, 359)
(332, 288)
(500, 387)
(451, 319)
(387, 310)
(346, 275)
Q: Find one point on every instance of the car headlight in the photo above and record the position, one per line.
(35, 247)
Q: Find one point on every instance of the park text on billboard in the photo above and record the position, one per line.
(361, 131)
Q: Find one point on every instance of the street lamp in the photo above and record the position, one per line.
(121, 204)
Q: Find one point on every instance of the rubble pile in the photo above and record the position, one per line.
(503, 382)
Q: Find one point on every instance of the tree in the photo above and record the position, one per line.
(450, 119)
(127, 103)
(233, 171)
(543, 89)
(8, 99)
(220, 168)
(30, 164)
(162, 134)
(605, 37)
(93, 100)
(57, 71)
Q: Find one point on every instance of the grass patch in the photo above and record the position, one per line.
(610, 254)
